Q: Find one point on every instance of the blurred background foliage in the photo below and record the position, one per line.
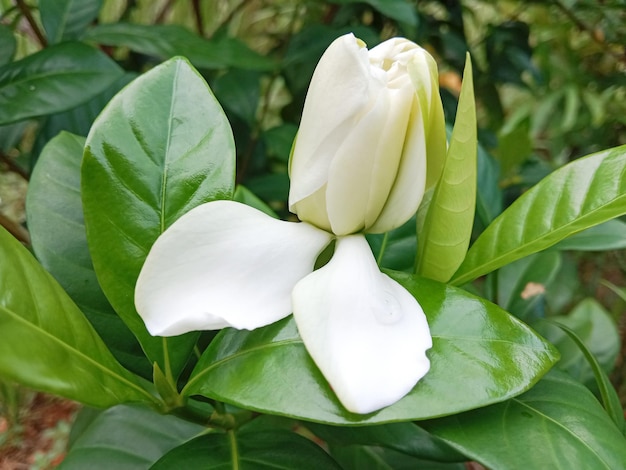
(550, 80)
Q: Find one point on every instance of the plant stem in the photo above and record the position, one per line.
(31, 21)
(383, 247)
(15, 229)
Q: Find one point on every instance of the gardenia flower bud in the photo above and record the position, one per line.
(360, 158)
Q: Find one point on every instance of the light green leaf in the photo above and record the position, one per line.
(66, 19)
(160, 148)
(445, 235)
(478, 348)
(53, 80)
(127, 437)
(584, 193)
(270, 450)
(166, 41)
(57, 231)
(558, 424)
(45, 341)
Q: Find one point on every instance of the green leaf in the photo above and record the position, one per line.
(488, 194)
(53, 80)
(378, 458)
(522, 284)
(399, 10)
(584, 193)
(57, 231)
(160, 148)
(610, 399)
(265, 450)
(445, 235)
(166, 41)
(558, 424)
(47, 344)
(247, 197)
(595, 327)
(478, 348)
(7, 44)
(240, 91)
(407, 438)
(127, 437)
(610, 235)
(65, 20)
(396, 248)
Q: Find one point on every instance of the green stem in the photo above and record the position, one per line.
(234, 451)
(31, 21)
(383, 247)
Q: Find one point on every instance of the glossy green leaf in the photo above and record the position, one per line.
(610, 398)
(65, 20)
(57, 231)
(558, 424)
(610, 235)
(478, 348)
(127, 437)
(379, 458)
(406, 438)
(166, 41)
(46, 342)
(584, 193)
(445, 235)
(53, 80)
(522, 284)
(160, 148)
(7, 44)
(595, 327)
(269, 450)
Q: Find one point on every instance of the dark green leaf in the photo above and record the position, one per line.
(279, 140)
(399, 10)
(47, 344)
(57, 230)
(65, 20)
(610, 235)
(7, 44)
(378, 458)
(488, 194)
(127, 438)
(582, 194)
(265, 450)
(53, 80)
(166, 41)
(396, 249)
(478, 348)
(161, 147)
(240, 91)
(558, 424)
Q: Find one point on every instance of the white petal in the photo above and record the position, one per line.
(364, 331)
(224, 264)
(338, 92)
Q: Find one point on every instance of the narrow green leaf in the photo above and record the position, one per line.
(584, 193)
(161, 147)
(485, 352)
(65, 20)
(558, 424)
(445, 236)
(610, 399)
(7, 44)
(46, 342)
(270, 450)
(55, 221)
(166, 41)
(53, 80)
(127, 437)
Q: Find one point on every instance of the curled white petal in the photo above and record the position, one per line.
(224, 264)
(364, 331)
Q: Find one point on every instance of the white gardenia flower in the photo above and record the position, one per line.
(371, 125)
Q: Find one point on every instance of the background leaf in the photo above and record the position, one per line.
(57, 231)
(445, 235)
(7, 44)
(53, 80)
(65, 20)
(582, 194)
(127, 437)
(610, 235)
(558, 424)
(148, 161)
(47, 344)
(269, 370)
(265, 450)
